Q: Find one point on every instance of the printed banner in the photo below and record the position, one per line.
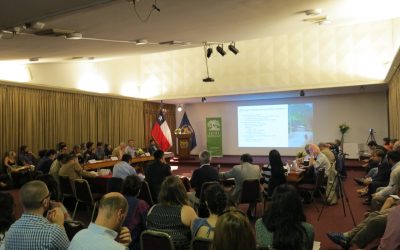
(214, 135)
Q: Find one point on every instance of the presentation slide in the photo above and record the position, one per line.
(283, 125)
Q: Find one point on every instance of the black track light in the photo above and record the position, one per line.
(220, 49)
(233, 49)
(302, 93)
(209, 52)
(203, 100)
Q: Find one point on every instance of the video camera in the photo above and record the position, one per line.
(371, 131)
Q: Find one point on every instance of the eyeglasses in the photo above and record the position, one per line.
(47, 196)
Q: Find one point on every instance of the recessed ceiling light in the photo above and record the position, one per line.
(313, 12)
(141, 42)
(34, 59)
(74, 36)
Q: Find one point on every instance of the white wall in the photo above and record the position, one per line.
(359, 111)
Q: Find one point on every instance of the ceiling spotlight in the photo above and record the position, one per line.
(233, 49)
(179, 109)
(209, 52)
(220, 49)
(74, 36)
(313, 12)
(141, 42)
(302, 93)
(203, 100)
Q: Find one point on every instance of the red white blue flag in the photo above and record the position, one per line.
(161, 132)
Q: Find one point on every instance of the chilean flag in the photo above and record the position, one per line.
(161, 132)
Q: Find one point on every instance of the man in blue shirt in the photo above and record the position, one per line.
(106, 232)
(123, 169)
(33, 231)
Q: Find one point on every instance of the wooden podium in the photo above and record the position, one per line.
(184, 141)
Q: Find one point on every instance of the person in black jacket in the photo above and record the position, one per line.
(156, 172)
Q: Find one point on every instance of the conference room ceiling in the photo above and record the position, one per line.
(109, 28)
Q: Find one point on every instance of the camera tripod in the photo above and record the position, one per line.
(371, 136)
(342, 193)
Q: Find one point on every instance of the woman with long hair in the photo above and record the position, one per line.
(274, 173)
(233, 232)
(172, 214)
(216, 201)
(283, 225)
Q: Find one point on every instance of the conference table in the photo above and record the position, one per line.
(138, 162)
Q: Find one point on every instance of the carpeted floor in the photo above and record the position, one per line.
(332, 219)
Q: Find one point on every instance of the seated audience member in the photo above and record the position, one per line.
(325, 149)
(233, 232)
(119, 151)
(71, 168)
(387, 145)
(7, 216)
(152, 147)
(25, 156)
(371, 228)
(283, 225)
(274, 174)
(380, 196)
(32, 230)
(45, 163)
(107, 231)
(89, 154)
(123, 169)
(18, 175)
(380, 178)
(205, 173)
(172, 214)
(156, 172)
(56, 165)
(246, 170)
(391, 237)
(99, 153)
(216, 201)
(42, 154)
(107, 150)
(76, 150)
(62, 148)
(130, 148)
(135, 221)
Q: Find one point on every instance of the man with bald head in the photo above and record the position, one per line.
(33, 231)
(106, 232)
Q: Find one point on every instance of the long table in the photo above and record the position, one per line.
(111, 163)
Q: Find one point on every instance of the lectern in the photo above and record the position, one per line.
(184, 142)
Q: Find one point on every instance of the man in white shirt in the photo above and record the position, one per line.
(123, 169)
(107, 231)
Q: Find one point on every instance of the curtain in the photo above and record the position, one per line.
(40, 118)
(151, 110)
(394, 102)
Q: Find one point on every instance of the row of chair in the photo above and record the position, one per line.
(156, 240)
(83, 194)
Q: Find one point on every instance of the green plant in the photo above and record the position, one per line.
(343, 128)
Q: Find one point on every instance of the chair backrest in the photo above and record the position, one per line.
(250, 191)
(65, 186)
(155, 240)
(200, 244)
(144, 193)
(82, 191)
(204, 187)
(114, 184)
(320, 178)
(51, 184)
